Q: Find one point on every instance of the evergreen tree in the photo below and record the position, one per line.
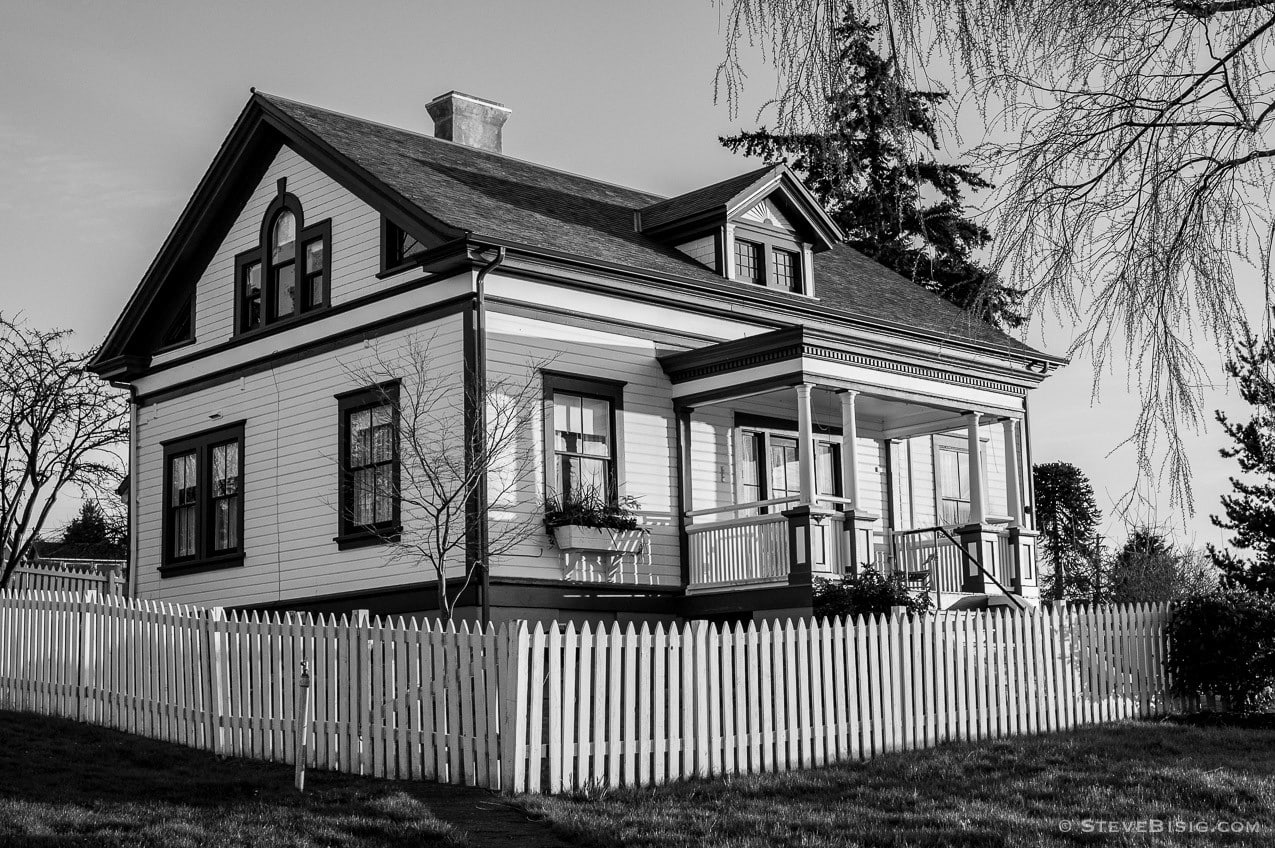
(1250, 510)
(91, 527)
(896, 205)
(1067, 517)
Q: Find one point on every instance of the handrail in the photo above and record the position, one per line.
(713, 510)
(969, 556)
(771, 518)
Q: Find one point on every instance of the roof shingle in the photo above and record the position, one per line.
(495, 195)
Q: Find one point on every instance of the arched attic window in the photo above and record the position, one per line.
(287, 274)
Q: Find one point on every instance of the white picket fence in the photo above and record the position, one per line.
(68, 577)
(559, 709)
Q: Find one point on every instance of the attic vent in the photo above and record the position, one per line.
(469, 120)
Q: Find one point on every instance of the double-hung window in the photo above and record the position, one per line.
(370, 477)
(203, 500)
(952, 478)
(584, 455)
(288, 272)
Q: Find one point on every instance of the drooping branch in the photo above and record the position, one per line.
(1136, 173)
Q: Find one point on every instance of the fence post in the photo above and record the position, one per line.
(359, 624)
(302, 727)
(87, 598)
(514, 648)
(216, 660)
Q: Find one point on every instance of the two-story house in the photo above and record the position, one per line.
(782, 407)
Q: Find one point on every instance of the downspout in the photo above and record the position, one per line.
(131, 503)
(480, 413)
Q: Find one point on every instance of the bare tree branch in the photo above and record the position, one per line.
(60, 428)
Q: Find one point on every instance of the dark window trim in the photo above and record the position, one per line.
(200, 444)
(261, 253)
(350, 535)
(391, 262)
(599, 388)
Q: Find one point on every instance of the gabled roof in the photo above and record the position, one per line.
(723, 201)
(692, 203)
(460, 192)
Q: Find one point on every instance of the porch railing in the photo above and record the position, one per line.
(926, 558)
(734, 551)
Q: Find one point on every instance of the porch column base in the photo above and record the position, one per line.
(858, 526)
(981, 542)
(1022, 546)
(807, 535)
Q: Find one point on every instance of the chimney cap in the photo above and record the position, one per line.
(460, 95)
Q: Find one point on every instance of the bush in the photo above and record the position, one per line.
(866, 593)
(590, 508)
(1224, 644)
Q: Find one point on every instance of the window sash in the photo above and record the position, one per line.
(583, 445)
(370, 456)
(748, 261)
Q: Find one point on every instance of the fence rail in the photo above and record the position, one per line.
(534, 709)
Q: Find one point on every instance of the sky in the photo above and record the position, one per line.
(111, 112)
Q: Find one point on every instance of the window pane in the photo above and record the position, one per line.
(226, 524)
(225, 469)
(364, 486)
(384, 501)
(183, 479)
(949, 473)
(315, 291)
(314, 256)
(565, 409)
(251, 295)
(589, 476)
(826, 456)
(184, 532)
(285, 289)
(284, 237)
(784, 480)
(595, 426)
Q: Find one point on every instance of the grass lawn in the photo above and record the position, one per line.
(65, 784)
(1003, 793)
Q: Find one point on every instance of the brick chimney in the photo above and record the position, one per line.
(469, 120)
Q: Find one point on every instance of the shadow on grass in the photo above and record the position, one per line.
(65, 784)
(1000, 793)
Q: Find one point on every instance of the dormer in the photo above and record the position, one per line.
(761, 228)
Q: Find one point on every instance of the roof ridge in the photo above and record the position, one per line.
(539, 165)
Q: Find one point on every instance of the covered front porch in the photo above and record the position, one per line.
(798, 462)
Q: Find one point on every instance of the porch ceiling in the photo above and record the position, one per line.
(764, 363)
(877, 417)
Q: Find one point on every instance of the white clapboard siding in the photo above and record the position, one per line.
(354, 254)
(290, 456)
(526, 709)
(647, 443)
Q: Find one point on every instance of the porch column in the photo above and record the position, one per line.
(805, 445)
(1012, 483)
(849, 455)
(978, 501)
